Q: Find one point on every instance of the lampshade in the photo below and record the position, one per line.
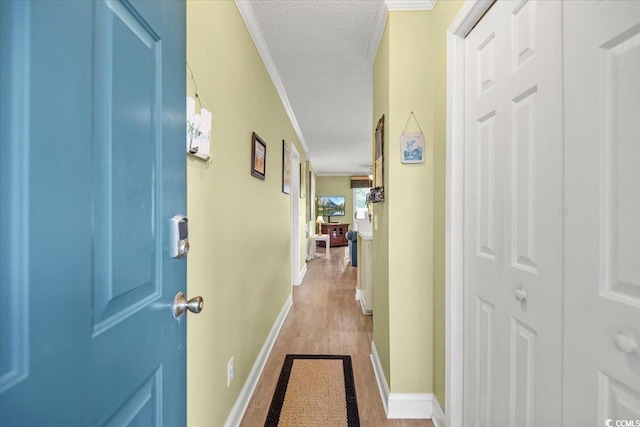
(320, 220)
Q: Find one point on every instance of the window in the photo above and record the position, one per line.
(360, 202)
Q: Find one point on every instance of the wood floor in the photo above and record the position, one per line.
(326, 319)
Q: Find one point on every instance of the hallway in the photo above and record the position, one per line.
(326, 319)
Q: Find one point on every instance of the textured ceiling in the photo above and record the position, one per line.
(322, 52)
(319, 54)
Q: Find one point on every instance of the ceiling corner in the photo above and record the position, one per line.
(381, 20)
(246, 11)
(407, 5)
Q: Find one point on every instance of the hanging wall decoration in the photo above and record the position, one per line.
(376, 194)
(303, 181)
(286, 168)
(412, 144)
(258, 157)
(198, 126)
(412, 147)
(198, 130)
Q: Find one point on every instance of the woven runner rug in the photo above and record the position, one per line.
(314, 391)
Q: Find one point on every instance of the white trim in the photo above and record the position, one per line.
(438, 417)
(244, 7)
(467, 17)
(383, 387)
(408, 5)
(358, 294)
(407, 406)
(378, 30)
(302, 274)
(239, 408)
(365, 310)
(410, 406)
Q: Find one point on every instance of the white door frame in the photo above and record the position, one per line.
(295, 215)
(465, 20)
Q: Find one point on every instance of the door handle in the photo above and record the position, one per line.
(520, 295)
(626, 344)
(181, 305)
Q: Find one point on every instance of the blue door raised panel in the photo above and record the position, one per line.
(92, 167)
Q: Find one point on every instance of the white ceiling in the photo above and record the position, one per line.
(320, 55)
(319, 50)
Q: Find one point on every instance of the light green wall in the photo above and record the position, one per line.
(444, 13)
(239, 225)
(380, 214)
(337, 186)
(410, 198)
(409, 75)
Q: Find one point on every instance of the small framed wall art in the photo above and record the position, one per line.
(412, 147)
(258, 157)
(378, 171)
(286, 168)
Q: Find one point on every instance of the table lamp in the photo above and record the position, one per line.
(320, 221)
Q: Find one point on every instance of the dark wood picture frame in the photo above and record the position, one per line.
(258, 157)
(286, 168)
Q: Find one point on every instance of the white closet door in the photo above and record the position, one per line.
(602, 192)
(483, 253)
(533, 216)
(513, 217)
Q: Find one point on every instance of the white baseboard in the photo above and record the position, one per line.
(439, 420)
(405, 405)
(302, 274)
(364, 309)
(413, 406)
(360, 297)
(237, 412)
(383, 387)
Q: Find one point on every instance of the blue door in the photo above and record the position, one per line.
(92, 168)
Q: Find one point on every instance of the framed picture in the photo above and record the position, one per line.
(286, 168)
(378, 178)
(412, 147)
(258, 157)
(303, 181)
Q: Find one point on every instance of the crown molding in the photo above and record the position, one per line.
(395, 5)
(384, 7)
(378, 30)
(249, 18)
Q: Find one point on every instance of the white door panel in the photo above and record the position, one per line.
(513, 216)
(533, 212)
(483, 223)
(602, 191)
